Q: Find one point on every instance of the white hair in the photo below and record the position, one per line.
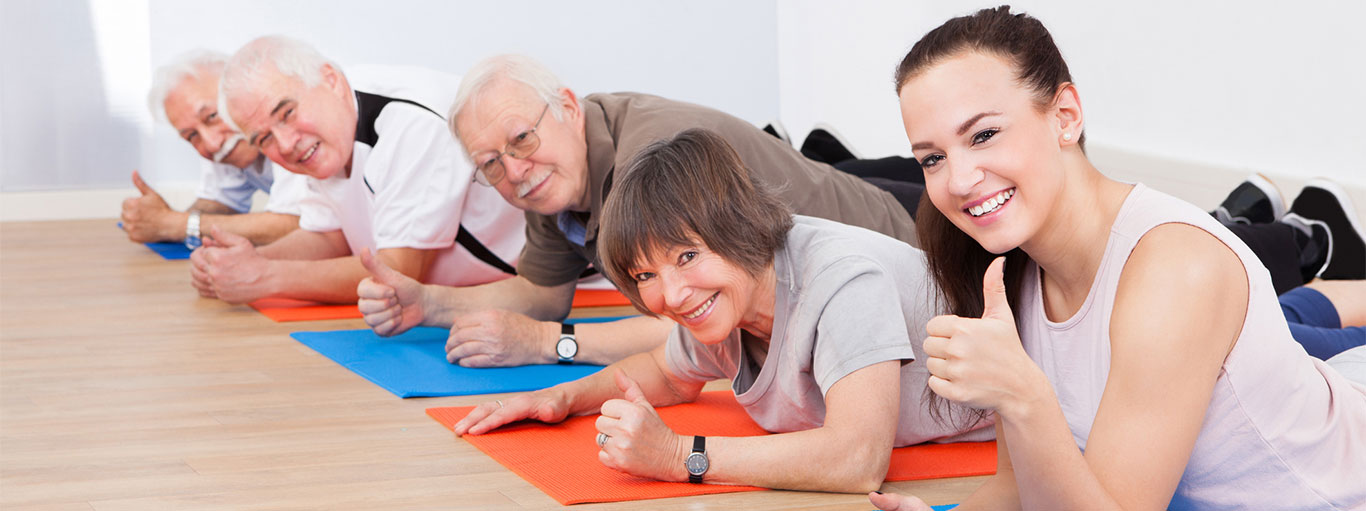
(287, 56)
(191, 64)
(518, 68)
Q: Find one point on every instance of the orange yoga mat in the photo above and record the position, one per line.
(287, 309)
(562, 459)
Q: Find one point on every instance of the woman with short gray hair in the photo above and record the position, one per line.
(814, 322)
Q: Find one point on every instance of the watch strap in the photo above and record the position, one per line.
(699, 445)
(566, 329)
(192, 237)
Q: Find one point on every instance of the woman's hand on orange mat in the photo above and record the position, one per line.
(897, 502)
(548, 405)
(639, 443)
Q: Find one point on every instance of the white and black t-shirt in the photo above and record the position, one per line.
(411, 184)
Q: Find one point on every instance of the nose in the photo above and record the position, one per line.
(963, 176)
(675, 289)
(285, 138)
(213, 140)
(515, 169)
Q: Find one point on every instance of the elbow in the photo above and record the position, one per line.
(864, 470)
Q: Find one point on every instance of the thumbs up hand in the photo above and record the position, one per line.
(638, 442)
(391, 302)
(979, 362)
(147, 217)
(238, 272)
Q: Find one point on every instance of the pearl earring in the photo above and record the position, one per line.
(1067, 136)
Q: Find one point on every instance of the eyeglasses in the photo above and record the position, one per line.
(523, 145)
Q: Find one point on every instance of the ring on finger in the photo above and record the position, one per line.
(602, 439)
(499, 401)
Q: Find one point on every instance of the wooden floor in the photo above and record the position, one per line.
(121, 389)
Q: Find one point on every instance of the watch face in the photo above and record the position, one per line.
(697, 463)
(567, 347)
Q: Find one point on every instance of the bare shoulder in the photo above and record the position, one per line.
(1182, 289)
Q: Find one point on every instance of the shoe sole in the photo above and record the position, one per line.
(1272, 192)
(1344, 199)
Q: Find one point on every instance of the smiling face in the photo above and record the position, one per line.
(700, 290)
(993, 158)
(192, 109)
(306, 130)
(550, 180)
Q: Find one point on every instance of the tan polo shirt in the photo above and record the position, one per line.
(618, 125)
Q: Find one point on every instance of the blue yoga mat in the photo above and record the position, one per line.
(167, 251)
(413, 364)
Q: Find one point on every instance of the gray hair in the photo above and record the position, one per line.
(191, 64)
(518, 68)
(289, 57)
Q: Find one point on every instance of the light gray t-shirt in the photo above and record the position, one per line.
(846, 298)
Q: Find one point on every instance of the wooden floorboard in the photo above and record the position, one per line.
(120, 389)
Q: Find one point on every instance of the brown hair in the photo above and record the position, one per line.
(956, 261)
(677, 192)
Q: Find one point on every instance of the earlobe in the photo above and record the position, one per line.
(1068, 107)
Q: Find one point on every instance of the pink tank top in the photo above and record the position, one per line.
(1283, 429)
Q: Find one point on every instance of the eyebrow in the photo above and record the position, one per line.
(962, 128)
(252, 140)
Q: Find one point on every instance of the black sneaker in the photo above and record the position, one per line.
(776, 129)
(1325, 201)
(1254, 201)
(824, 144)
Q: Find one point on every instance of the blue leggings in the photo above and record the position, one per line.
(1314, 324)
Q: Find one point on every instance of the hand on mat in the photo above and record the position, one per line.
(391, 302)
(897, 502)
(548, 405)
(236, 271)
(499, 338)
(143, 215)
(639, 442)
(980, 362)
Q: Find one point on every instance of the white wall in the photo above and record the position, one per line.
(68, 123)
(1256, 85)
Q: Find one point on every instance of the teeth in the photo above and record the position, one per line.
(703, 308)
(991, 204)
(310, 152)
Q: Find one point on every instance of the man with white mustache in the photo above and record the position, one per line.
(185, 93)
(384, 175)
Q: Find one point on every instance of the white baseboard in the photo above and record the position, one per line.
(87, 204)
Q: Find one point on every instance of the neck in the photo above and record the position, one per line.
(1071, 243)
(758, 320)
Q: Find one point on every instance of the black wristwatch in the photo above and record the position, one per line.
(568, 345)
(697, 462)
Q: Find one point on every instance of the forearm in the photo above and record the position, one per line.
(441, 304)
(586, 395)
(327, 280)
(260, 228)
(821, 459)
(211, 207)
(998, 493)
(1049, 469)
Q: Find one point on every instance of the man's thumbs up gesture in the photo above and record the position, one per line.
(979, 362)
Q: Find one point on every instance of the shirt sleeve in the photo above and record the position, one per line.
(690, 360)
(287, 190)
(315, 211)
(420, 180)
(549, 259)
(861, 324)
(225, 184)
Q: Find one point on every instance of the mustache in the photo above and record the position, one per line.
(228, 146)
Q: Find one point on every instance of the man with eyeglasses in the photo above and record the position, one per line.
(553, 155)
(185, 93)
(385, 174)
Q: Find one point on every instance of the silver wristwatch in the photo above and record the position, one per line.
(192, 240)
(568, 345)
